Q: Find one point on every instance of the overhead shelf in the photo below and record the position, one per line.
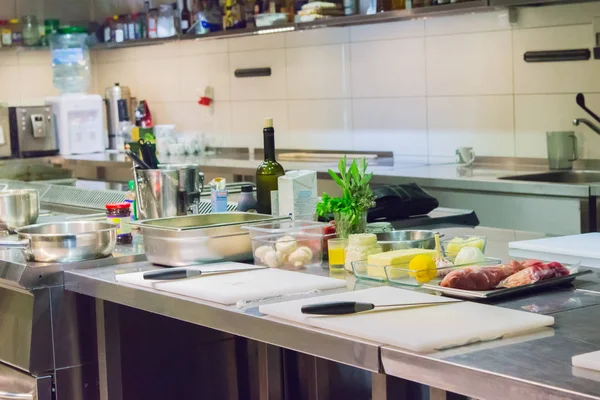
(466, 7)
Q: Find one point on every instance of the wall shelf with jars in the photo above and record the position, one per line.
(140, 30)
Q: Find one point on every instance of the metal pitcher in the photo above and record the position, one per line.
(171, 190)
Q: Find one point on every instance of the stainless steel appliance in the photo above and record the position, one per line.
(5, 147)
(19, 207)
(112, 96)
(32, 131)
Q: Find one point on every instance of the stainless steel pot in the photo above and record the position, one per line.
(18, 208)
(157, 193)
(400, 240)
(191, 183)
(65, 241)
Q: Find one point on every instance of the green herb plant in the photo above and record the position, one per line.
(357, 196)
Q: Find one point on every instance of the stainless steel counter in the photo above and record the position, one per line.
(439, 172)
(535, 366)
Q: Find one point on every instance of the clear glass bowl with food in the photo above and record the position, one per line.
(290, 244)
(453, 246)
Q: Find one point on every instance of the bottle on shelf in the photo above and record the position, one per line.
(186, 17)
(107, 30)
(118, 34)
(201, 25)
(267, 174)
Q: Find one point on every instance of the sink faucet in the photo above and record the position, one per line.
(588, 123)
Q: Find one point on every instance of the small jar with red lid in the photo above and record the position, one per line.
(120, 214)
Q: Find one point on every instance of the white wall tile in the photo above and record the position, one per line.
(197, 72)
(125, 73)
(554, 77)
(202, 46)
(391, 124)
(10, 86)
(468, 23)
(191, 117)
(257, 42)
(258, 88)
(35, 82)
(8, 57)
(485, 123)
(388, 68)
(156, 81)
(248, 122)
(317, 37)
(564, 14)
(318, 72)
(537, 114)
(469, 64)
(35, 58)
(391, 30)
(321, 124)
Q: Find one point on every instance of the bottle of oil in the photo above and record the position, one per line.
(267, 174)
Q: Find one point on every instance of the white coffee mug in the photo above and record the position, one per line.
(465, 156)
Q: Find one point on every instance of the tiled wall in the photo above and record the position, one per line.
(419, 87)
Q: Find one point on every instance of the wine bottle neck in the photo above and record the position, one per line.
(269, 142)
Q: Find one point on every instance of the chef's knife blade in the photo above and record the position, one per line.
(353, 307)
(183, 273)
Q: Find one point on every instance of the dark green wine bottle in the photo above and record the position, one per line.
(267, 174)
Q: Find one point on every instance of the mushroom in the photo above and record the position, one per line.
(261, 252)
(300, 257)
(286, 245)
(273, 259)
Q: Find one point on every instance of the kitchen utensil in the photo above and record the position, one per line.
(410, 239)
(580, 99)
(183, 273)
(149, 153)
(580, 249)
(157, 193)
(562, 149)
(18, 208)
(422, 329)
(195, 239)
(505, 292)
(353, 307)
(191, 183)
(140, 163)
(242, 286)
(465, 156)
(587, 360)
(65, 241)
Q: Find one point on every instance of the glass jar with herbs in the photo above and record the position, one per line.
(350, 209)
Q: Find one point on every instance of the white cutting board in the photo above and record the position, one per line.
(239, 286)
(423, 329)
(587, 360)
(574, 249)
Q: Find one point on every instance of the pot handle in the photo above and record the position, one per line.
(11, 244)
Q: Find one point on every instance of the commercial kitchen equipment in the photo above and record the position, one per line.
(112, 96)
(32, 131)
(18, 207)
(78, 121)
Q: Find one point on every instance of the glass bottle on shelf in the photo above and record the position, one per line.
(152, 23)
(31, 32)
(186, 18)
(17, 35)
(165, 26)
(118, 35)
(6, 33)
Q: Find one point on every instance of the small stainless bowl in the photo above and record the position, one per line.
(400, 240)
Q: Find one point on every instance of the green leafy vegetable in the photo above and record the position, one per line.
(357, 196)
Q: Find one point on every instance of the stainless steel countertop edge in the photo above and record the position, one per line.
(347, 350)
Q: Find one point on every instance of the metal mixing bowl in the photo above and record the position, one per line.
(400, 240)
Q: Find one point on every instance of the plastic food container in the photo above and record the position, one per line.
(290, 244)
(453, 246)
(401, 274)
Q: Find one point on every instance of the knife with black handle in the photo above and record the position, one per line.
(353, 307)
(183, 273)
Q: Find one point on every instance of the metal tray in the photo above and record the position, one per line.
(198, 239)
(498, 293)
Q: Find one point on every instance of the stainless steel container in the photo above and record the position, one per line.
(112, 96)
(65, 241)
(412, 239)
(197, 239)
(158, 193)
(191, 183)
(18, 208)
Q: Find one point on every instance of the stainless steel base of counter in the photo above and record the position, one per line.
(536, 366)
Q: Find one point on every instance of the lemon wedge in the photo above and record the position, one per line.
(422, 268)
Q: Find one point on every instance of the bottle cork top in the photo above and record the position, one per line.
(268, 122)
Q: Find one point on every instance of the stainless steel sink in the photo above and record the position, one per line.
(572, 177)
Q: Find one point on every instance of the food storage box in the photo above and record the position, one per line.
(401, 274)
(291, 244)
(452, 246)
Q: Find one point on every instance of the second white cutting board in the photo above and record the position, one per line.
(573, 249)
(587, 360)
(238, 286)
(422, 329)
